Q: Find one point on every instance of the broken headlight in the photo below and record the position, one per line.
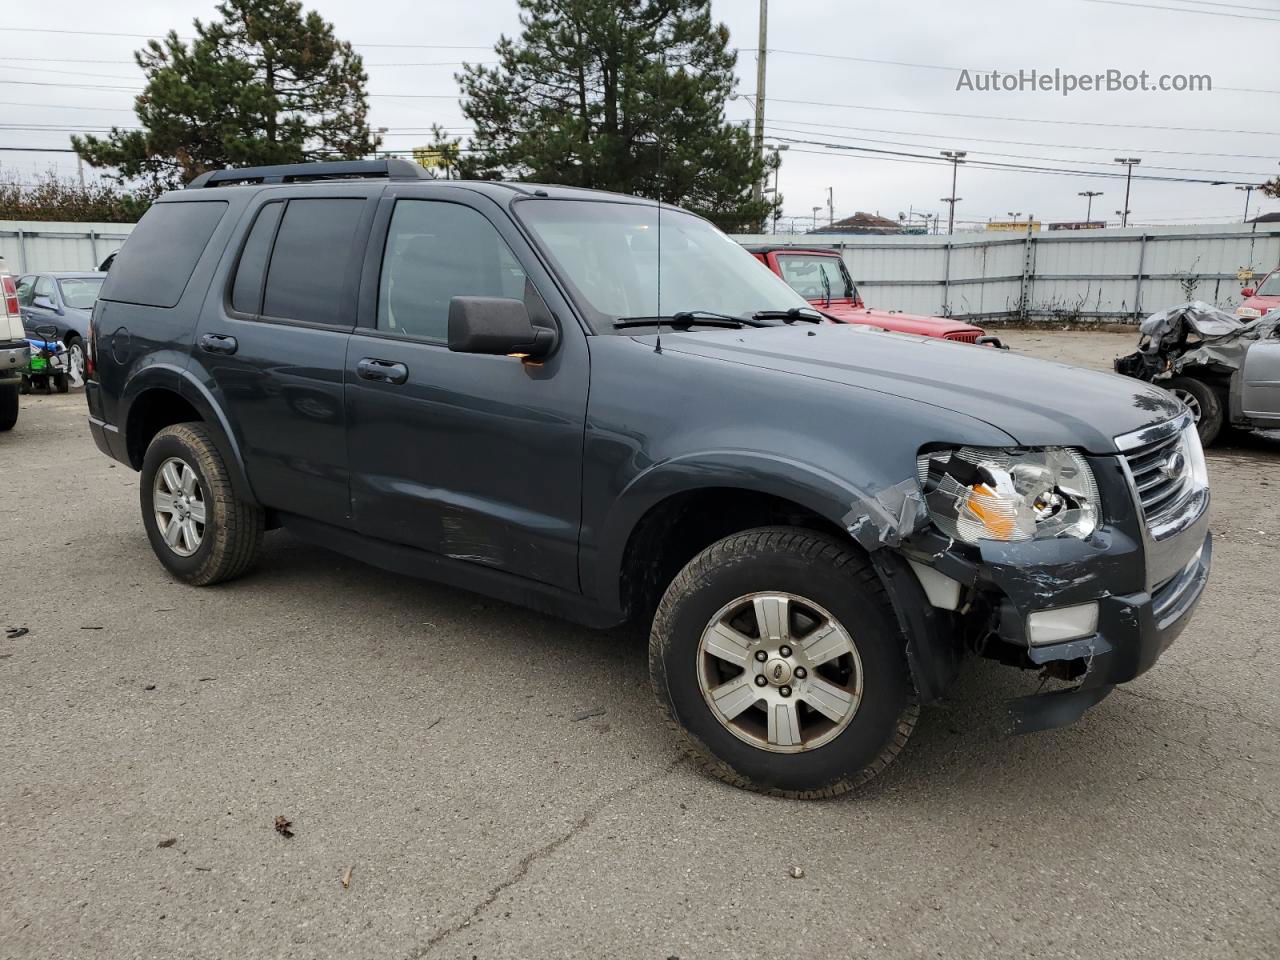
(1011, 495)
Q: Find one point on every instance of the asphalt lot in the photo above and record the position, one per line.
(426, 738)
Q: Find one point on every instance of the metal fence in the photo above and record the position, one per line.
(30, 246)
(1097, 275)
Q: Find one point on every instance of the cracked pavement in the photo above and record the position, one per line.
(426, 738)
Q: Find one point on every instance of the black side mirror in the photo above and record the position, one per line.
(497, 326)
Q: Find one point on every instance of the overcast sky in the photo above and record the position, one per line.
(932, 39)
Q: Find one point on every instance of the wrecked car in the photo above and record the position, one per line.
(600, 407)
(1225, 368)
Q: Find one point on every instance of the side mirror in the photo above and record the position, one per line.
(45, 303)
(496, 325)
(1247, 292)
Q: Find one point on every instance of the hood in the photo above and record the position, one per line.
(1036, 402)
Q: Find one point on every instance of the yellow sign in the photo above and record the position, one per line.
(1244, 274)
(427, 157)
(1012, 226)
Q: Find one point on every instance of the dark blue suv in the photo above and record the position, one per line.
(601, 407)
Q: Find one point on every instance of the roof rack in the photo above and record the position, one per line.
(391, 168)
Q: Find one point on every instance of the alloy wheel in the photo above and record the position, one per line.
(1189, 398)
(779, 672)
(178, 501)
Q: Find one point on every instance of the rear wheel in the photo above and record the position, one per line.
(198, 528)
(8, 407)
(1203, 402)
(776, 654)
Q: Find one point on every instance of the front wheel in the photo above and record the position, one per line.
(198, 528)
(1203, 402)
(776, 654)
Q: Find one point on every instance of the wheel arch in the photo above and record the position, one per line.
(163, 396)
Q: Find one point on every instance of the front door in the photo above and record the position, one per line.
(271, 347)
(1260, 396)
(473, 457)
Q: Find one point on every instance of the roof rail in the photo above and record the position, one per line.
(392, 168)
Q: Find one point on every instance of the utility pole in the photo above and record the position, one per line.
(815, 219)
(1130, 163)
(831, 206)
(761, 55)
(1088, 210)
(955, 157)
(1248, 191)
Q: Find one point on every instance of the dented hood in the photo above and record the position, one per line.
(1036, 402)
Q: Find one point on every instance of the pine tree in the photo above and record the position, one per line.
(265, 84)
(626, 96)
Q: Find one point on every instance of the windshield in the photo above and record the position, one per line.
(805, 274)
(80, 293)
(1270, 286)
(608, 253)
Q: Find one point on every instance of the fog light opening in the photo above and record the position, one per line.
(1062, 624)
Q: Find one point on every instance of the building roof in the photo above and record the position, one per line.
(1267, 218)
(862, 223)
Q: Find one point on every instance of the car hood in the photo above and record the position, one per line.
(1036, 402)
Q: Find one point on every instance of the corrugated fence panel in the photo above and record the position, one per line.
(1096, 275)
(31, 246)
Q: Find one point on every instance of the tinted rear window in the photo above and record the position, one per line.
(156, 262)
(310, 261)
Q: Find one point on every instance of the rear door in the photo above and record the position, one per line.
(477, 458)
(1260, 396)
(272, 344)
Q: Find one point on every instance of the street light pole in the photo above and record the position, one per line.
(1130, 163)
(956, 157)
(1248, 191)
(1088, 211)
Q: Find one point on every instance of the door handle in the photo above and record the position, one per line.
(218, 343)
(381, 371)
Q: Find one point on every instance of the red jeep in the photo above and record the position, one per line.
(821, 278)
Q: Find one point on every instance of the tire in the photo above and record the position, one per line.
(226, 543)
(8, 407)
(816, 575)
(61, 382)
(1204, 403)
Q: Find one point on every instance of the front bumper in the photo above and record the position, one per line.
(15, 358)
(1133, 631)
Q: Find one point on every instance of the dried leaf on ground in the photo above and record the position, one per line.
(283, 824)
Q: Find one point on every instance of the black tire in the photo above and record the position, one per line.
(24, 387)
(232, 529)
(1207, 406)
(8, 407)
(831, 574)
(61, 382)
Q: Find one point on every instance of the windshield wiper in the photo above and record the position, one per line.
(789, 316)
(684, 319)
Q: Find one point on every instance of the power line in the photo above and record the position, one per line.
(151, 36)
(982, 116)
(1023, 156)
(1206, 13)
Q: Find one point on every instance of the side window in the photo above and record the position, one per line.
(44, 288)
(307, 276)
(246, 291)
(437, 251)
(26, 291)
(156, 262)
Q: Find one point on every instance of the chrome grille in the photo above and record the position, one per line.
(1164, 477)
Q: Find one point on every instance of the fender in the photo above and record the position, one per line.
(167, 376)
(831, 497)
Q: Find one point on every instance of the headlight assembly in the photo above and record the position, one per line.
(1010, 495)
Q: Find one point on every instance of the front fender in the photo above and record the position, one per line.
(833, 498)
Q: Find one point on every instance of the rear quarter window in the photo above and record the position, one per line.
(157, 261)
